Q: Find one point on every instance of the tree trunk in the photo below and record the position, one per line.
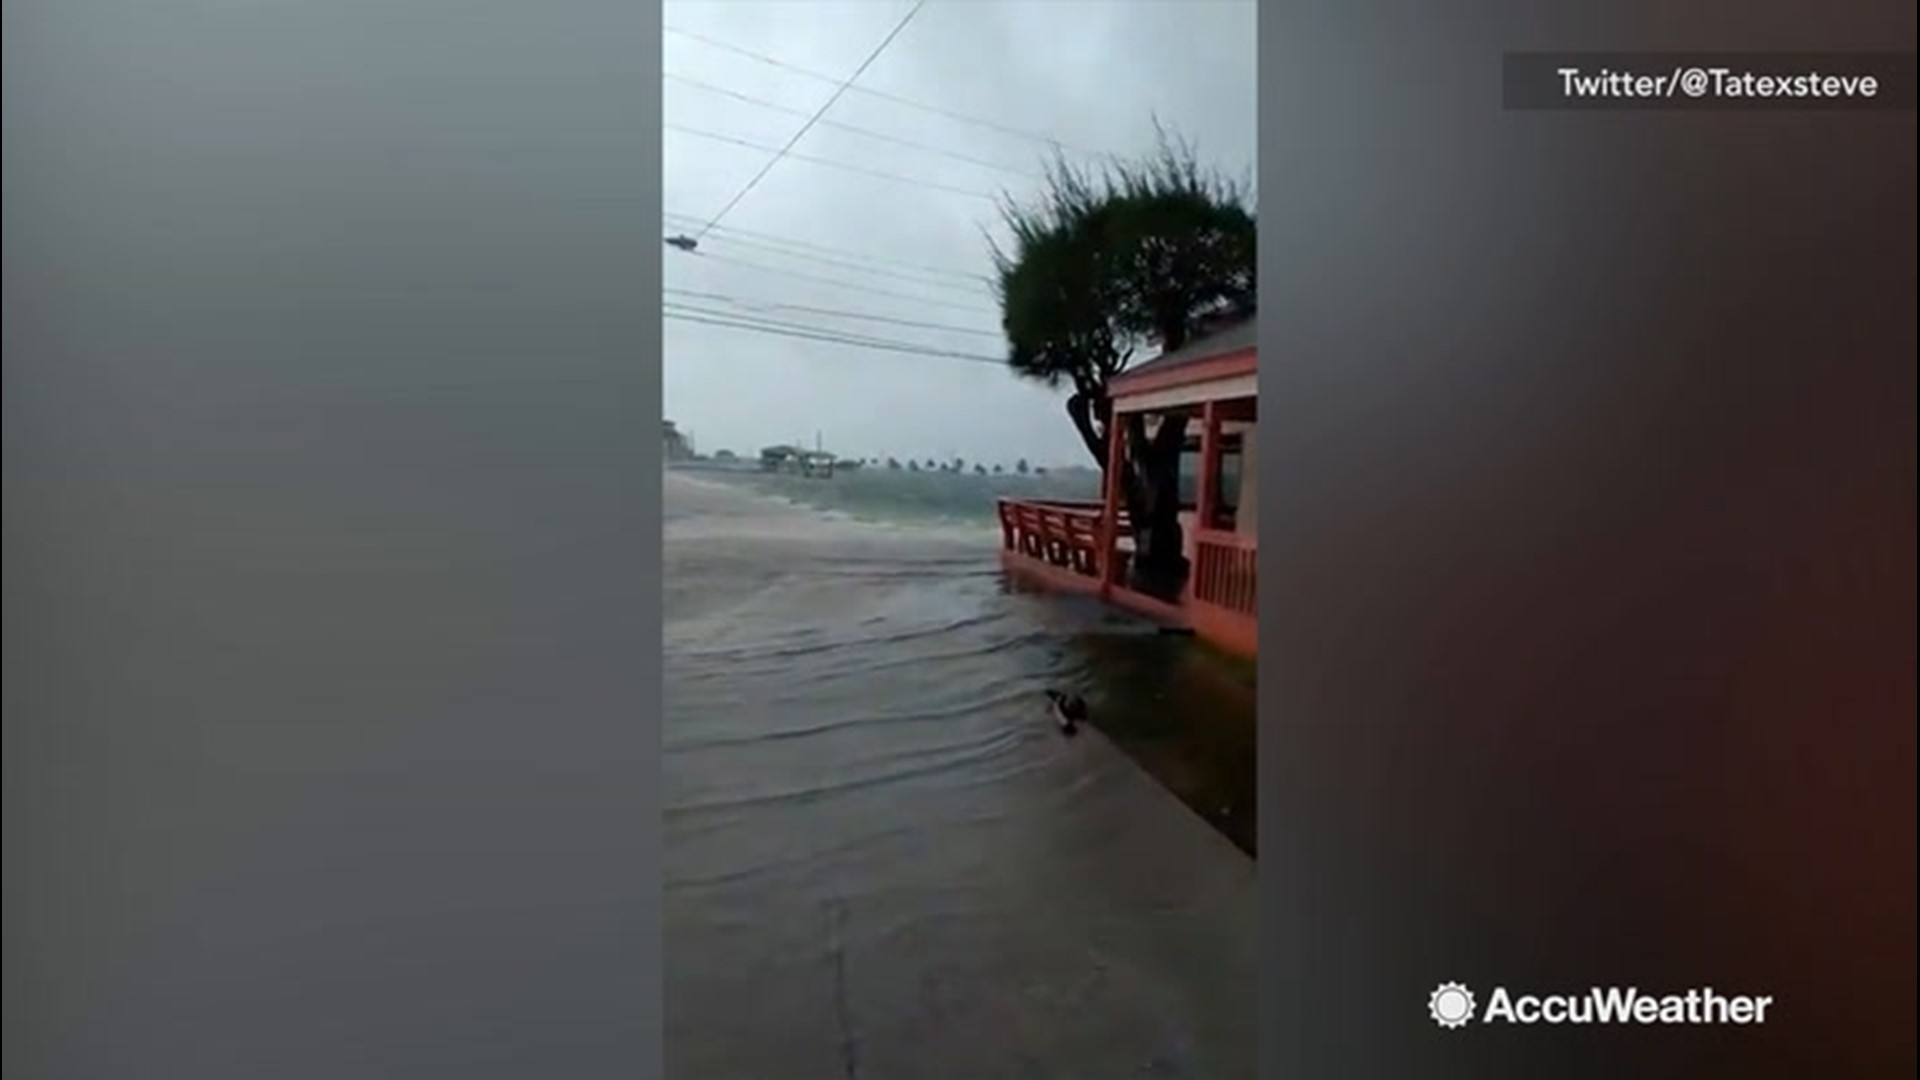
(1161, 558)
(1149, 485)
(1082, 408)
(1093, 417)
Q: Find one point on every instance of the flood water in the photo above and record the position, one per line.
(883, 861)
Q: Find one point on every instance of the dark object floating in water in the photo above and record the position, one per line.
(1068, 710)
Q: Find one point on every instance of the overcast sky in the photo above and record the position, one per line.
(1090, 73)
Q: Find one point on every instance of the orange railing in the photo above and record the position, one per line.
(1223, 571)
(1062, 533)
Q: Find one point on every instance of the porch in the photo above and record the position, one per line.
(1069, 547)
(1209, 390)
(1218, 514)
(1064, 546)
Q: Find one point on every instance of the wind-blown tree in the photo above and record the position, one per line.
(1107, 265)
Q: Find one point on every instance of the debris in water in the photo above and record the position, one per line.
(1068, 710)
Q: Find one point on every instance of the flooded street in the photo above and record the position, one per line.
(882, 860)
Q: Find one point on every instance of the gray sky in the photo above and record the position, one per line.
(1090, 73)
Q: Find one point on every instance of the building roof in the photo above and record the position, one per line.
(1239, 338)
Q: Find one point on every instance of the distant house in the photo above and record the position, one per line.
(794, 459)
(674, 444)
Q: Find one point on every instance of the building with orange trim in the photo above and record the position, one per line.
(1088, 547)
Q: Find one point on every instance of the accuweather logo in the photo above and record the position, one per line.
(1453, 1006)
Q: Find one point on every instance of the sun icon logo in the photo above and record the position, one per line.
(1451, 1005)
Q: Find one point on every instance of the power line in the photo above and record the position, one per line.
(829, 162)
(977, 309)
(837, 334)
(867, 132)
(733, 232)
(830, 339)
(827, 337)
(774, 61)
(770, 305)
(808, 126)
(975, 288)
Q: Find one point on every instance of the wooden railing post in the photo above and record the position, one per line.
(1209, 495)
(1110, 507)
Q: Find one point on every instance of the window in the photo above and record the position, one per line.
(1227, 494)
(1227, 498)
(1190, 476)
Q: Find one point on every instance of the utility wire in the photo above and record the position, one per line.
(780, 152)
(827, 337)
(835, 333)
(975, 308)
(733, 232)
(867, 132)
(977, 288)
(808, 126)
(771, 305)
(774, 61)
